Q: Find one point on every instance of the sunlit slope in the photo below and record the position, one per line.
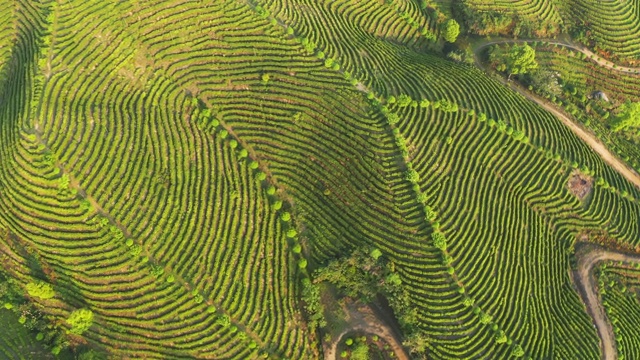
(153, 223)
(126, 173)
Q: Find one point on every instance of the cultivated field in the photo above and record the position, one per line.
(181, 168)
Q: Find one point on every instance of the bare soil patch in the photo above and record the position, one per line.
(364, 319)
(580, 185)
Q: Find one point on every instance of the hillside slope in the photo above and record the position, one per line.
(161, 164)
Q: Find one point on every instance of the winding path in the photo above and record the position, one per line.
(582, 133)
(587, 286)
(590, 54)
(364, 319)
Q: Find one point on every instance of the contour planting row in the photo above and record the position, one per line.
(533, 122)
(617, 286)
(440, 242)
(613, 26)
(111, 259)
(586, 77)
(538, 10)
(7, 34)
(498, 194)
(428, 264)
(574, 304)
(105, 181)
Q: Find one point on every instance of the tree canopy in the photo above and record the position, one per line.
(40, 290)
(518, 59)
(80, 321)
(451, 30)
(629, 116)
(521, 59)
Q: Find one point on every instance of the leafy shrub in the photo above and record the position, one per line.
(80, 321)
(40, 289)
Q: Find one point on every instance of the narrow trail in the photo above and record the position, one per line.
(363, 319)
(590, 54)
(587, 287)
(588, 137)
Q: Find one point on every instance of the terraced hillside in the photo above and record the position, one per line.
(540, 18)
(581, 78)
(611, 27)
(163, 161)
(618, 285)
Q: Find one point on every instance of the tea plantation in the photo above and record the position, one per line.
(237, 179)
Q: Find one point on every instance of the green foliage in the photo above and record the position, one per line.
(223, 321)
(439, 240)
(412, 176)
(417, 342)
(430, 214)
(450, 30)
(40, 290)
(486, 319)
(521, 59)
(297, 249)
(517, 351)
(404, 100)
(360, 352)
(446, 106)
(80, 321)
(313, 305)
(501, 337)
(628, 116)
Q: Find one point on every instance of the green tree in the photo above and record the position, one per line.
(360, 352)
(412, 176)
(40, 290)
(521, 59)
(451, 30)
(439, 240)
(628, 116)
(80, 321)
(517, 351)
(404, 100)
(501, 337)
(486, 319)
(417, 342)
(375, 253)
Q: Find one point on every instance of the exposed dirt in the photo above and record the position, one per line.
(585, 135)
(587, 287)
(364, 318)
(580, 185)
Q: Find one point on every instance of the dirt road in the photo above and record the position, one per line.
(363, 319)
(590, 54)
(585, 135)
(588, 291)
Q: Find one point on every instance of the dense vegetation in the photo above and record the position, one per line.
(178, 178)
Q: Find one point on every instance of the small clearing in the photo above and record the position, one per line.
(364, 318)
(580, 185)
